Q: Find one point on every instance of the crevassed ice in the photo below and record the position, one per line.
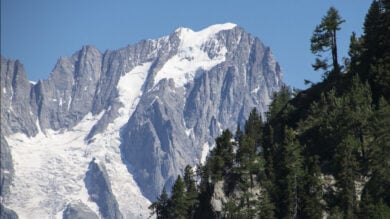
(49, 171)
(50, 167)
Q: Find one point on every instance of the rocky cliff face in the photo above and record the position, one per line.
(17, 114)
(6, 166)
(179, 122)
(99, 189)
(78, 211)
(144, 111)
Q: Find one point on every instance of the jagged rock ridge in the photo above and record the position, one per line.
(144, 111)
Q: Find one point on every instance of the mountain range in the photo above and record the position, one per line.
(106, 132)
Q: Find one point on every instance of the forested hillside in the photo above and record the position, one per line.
(321, 152)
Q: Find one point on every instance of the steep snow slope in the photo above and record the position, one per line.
(50, 168)
(122, 110)
(192, 55)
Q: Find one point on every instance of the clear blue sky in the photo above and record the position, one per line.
(39, 32)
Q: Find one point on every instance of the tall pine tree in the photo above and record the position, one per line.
(312, 188)
(325, 38)
(178, 202)
(347, 175)
(161, 206)
(375, 61)
(279, 101)
(254, 127)
(191, 193)
(378, 187)
(221, 158)
(290, 175)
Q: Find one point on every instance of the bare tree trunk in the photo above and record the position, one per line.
(336, 67)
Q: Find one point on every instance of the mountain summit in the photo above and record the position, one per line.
(106, 132)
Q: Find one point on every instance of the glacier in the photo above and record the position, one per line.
(141, 113)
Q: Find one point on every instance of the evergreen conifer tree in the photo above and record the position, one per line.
(254, 127)
(378, 187)
(178, 201)
(376, 55)
(239, 134)
(346, 176)
(221, 157)
(161, 206)
(191, 193)
(246, 155)
(346, 133)
(266, 206)
(279, 101)
(291, 172)
(325, 38)
(312, 188)
(375, 201)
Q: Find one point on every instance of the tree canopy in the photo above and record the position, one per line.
(324, 39)
(323, 151)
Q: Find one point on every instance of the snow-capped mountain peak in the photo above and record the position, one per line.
(110, 130)
(198, 51)
(205, 33)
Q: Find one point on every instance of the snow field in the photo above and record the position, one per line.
(50, 167)
(50, 170)
(191, 56)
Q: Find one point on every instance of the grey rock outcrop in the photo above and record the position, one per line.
(16, 112)
(78, 211)
(99, 190)
(170, 124)
(218, 198)
(6, 167)
(6, 213)
(67, 96)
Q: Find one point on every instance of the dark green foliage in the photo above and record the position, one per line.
(161, 206)
(184, 200)
(266, 206)
(232, 210)
(380, 153)
(191, 193)
(239, 134)
(246, 154)
(355, 53)
(244, 206)
(377, 210)
(206, 189)
(290, 175)
(325, 38)
(333, 118)
(254, 127)
(375, 58)
(269, 151)
(336, 213)
(346, 176)
(381, 210)
(178, 203)
(221, 158)
(312, 189)
(322, 151)
(279, 101)
(377, 188)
